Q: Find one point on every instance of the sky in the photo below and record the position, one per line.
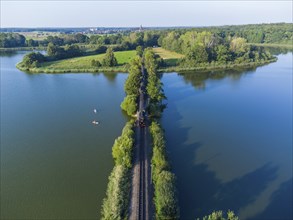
(146, 13)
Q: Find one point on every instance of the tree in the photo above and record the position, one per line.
(150, 61)
(218, 215)
(132, 83)
(81, 38)
(165, 196)
(12, 40)
(199, 54)
(96, 63)
(222, 53)
(109, 58)
(129, 104)
(238, 45)
(32, 59)
(32, 43)
(55, 51)
(139, 51)
(72, 51)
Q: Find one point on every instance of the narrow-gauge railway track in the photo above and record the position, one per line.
(139, 204)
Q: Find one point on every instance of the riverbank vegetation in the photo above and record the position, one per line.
(219, 215)
(115, 205)
(154, 86)
(165, 192)
(81, 64)
(204, 49)
(180, 49)
(131, 87)
(164, 181)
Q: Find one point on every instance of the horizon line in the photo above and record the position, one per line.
(175, 26)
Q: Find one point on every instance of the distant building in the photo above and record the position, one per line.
(140, 29)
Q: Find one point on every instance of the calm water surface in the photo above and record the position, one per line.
(54, 162)
(229, 136)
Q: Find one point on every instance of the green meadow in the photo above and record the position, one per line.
(123, 57)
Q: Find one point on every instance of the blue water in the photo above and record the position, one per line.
(54, 162)
(229, 137)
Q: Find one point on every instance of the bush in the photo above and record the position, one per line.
(109, 58)
(32, 59)
(218, 215)
(165, 196)
(132, 82)
(154, 86)
(165, 193)
(96, 63)
(129, 104)
(115, 205)
(123, 146)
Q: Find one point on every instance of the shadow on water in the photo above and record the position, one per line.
(281, 204)
(7, 53)
(198, 79)
(111, 77)
(201, 192)
(278, 50)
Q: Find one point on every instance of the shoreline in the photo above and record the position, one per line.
(288, 46)
(161, 70)
(8, 49)
(217, 67)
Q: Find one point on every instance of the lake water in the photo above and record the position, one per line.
(229, 136)
(54, 162)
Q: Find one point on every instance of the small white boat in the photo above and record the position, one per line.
(95, 111)
(95, 122)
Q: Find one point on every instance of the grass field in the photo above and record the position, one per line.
(122, 57)
(168, 56)
(38, 35)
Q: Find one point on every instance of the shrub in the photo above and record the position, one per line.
(109, 59)
(32, 59)
(129, 104)
(165, 193)
(165, 196)
(115, 205)
(218, 215)
(96, 63)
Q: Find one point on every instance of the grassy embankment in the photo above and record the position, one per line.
(163, 179)
(83, 64)
(115, 204)
(207, 67)
(171, 59)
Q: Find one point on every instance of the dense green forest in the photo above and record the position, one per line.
(277, 33)
(206, 47)
(199, 48)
